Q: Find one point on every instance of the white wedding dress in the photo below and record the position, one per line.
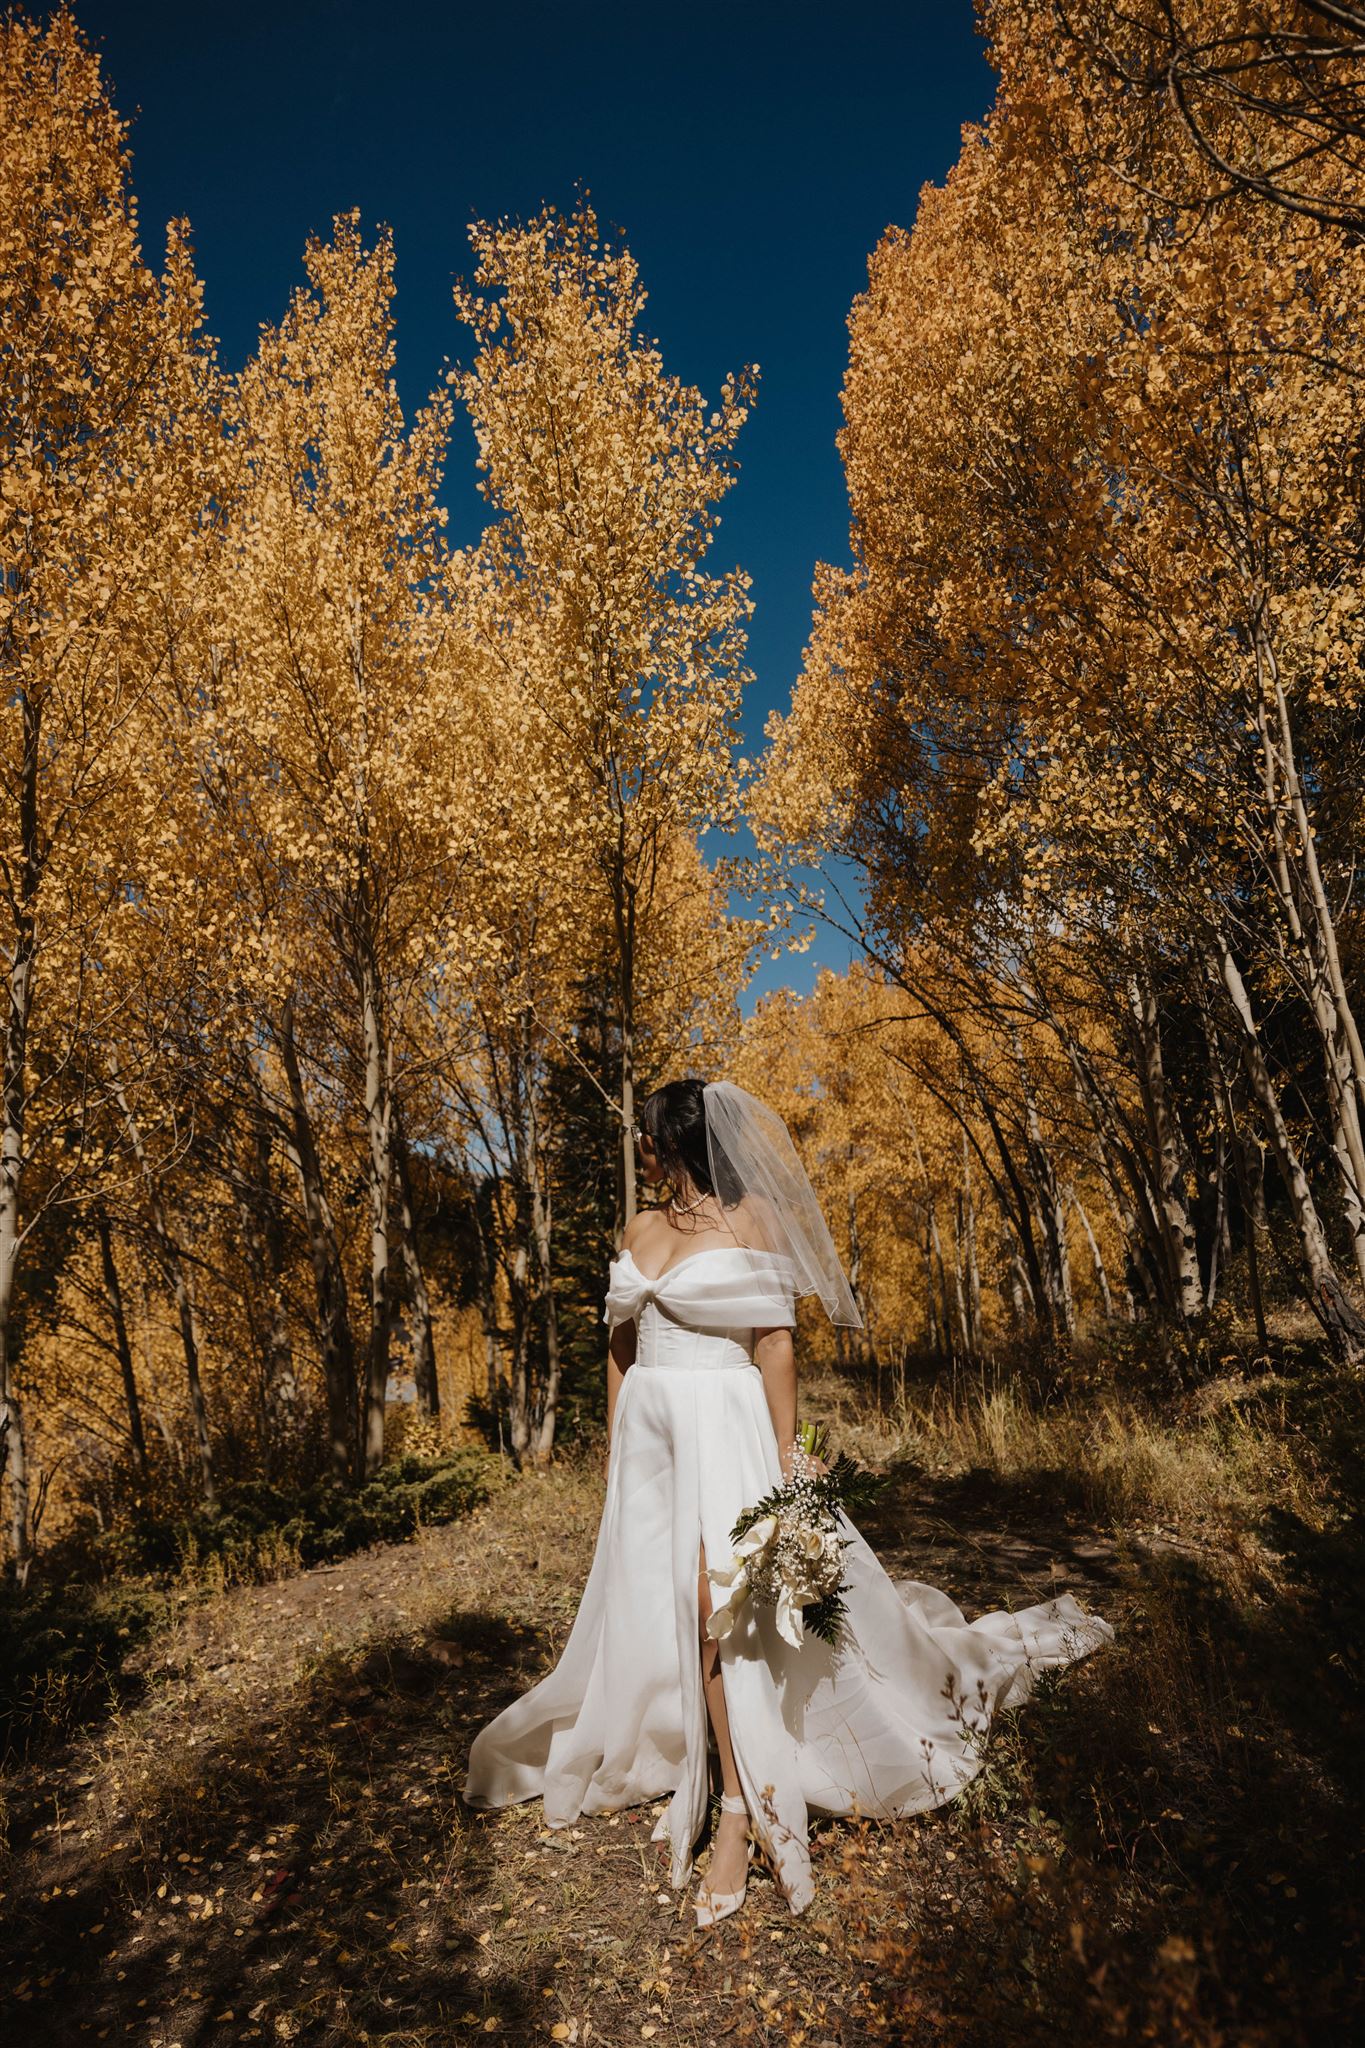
(891, 1723)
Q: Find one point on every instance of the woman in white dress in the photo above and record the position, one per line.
(701, 1421)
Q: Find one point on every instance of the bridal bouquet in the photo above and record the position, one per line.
(788, 1552)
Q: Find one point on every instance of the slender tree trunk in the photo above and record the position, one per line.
(1021, 1217)
(189, 1339)
(1315, 946)
(1322, 909)
(379, 1136)
(173, 1264)
(1219, 1237)
(263, 1225)
(1347, 1148)
(547, 1405)
(174, 1455)
(123, 1350)
(964, 1320)
(1096, 1256)
(18, 1011)
(519, 1404)
(181, 1293)
(548, 1402)
(419, 1301)
(1020, 1300)
(1253, 1209)
(1008, 1186)
(13, 1435)
(329, 1276)
(973, 1265)
(1129, 1183)
(488, 1317)
(1131, 1239)
(1050, 1213)
(1344, 1327)
(930, 1288)
(945, 1313)
(1251, 1192)
(1168, 1149)
(624, 917)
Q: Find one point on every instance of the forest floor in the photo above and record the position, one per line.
(268, 1843)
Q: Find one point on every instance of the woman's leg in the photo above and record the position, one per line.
(729, 1853)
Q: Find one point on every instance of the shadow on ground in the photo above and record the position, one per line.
(304, 1876)
(1186, 1813)
(990, 1542)
(1162, 1845)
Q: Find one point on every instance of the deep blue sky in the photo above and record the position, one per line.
(751, 155)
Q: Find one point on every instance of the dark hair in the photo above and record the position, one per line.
(675, 1118)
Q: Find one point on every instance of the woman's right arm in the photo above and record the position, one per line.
(621, 1348)
(620, 1358)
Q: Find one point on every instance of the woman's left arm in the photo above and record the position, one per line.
(775, 1357)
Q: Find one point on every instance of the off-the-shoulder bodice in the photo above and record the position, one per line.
(722, 1294)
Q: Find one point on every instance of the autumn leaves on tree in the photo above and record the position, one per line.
(353, 887)
(322, 838)
(1085, 712)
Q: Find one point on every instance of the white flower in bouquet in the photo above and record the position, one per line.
(789, 1552)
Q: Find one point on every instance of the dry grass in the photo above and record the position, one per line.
(1209, 1464)
(1162, 1846)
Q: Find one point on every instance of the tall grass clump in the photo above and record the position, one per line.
(1223, 1460)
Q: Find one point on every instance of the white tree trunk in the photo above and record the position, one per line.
(1344, 1328)
(1177, 1226)
(379, 1134)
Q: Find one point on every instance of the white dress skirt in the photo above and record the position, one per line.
(892, 1722)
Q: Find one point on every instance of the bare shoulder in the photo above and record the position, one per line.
(643, 1226)
(755, 1223)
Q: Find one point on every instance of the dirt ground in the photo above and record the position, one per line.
(269, 1844)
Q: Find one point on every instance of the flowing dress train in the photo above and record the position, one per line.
(891, 1723)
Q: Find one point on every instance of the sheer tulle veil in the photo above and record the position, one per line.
(753, 1160)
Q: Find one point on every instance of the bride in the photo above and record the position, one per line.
(701, 1423)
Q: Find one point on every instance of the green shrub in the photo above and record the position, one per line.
(62, 1652)
(63, 1645)
(257, 1522)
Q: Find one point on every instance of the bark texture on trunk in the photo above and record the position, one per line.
(172, 1259)
(419, 1300)
(379, 1156)
(18, 1013)
(1342, 1324)
(1096, 1256)
(1168, 1151)
(542, 1220)
(329, 1277)
(123, 1350)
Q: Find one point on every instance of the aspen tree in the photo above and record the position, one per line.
(91, 502)
(606, 471)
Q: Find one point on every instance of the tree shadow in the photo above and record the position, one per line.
(309, 1870)
(1186, 1809)
(1162, 1845)
(990, 1541)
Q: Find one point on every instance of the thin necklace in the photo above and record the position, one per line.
(681, 1209)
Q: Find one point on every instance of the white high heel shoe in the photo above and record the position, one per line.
(712, 1906)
